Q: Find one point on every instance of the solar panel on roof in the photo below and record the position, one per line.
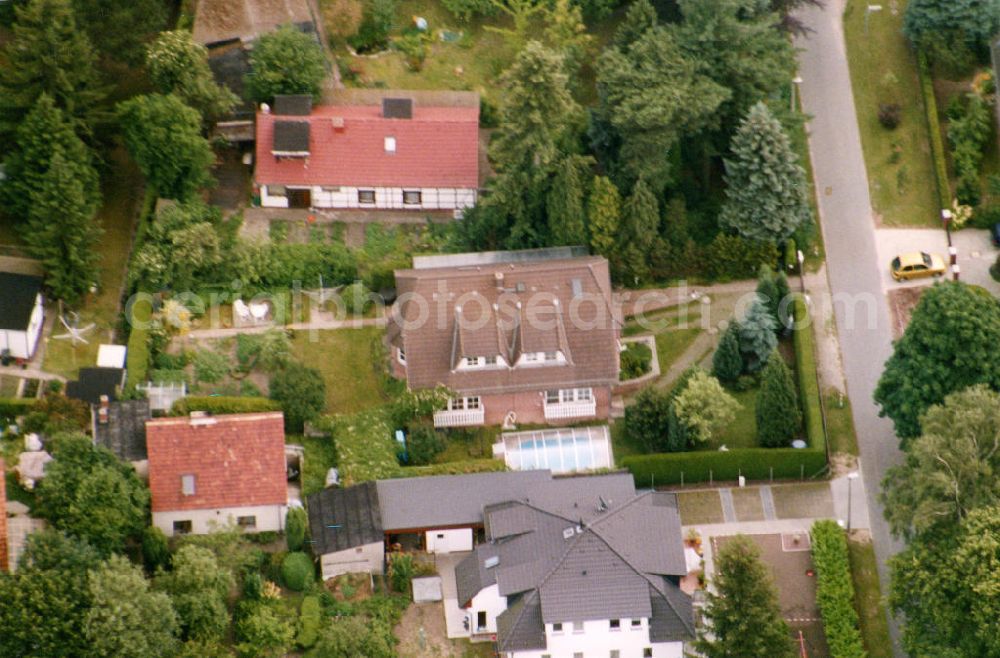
(293, 105)
(397, 108)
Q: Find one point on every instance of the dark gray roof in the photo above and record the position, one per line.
(673, 614)
(17, 300)
(520, 626)
(291, 137)
(92, 383)
(293, 105)
(344, 518)
(397, 108)
(451, 500)
(125, 432)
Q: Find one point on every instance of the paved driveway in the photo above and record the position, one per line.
(975, 253)
(852, 256)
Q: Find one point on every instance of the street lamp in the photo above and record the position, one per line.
(796, 81)
(851, 477)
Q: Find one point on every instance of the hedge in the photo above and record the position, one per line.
(310, 621)
(835, 591)
(934, 130)
(805, 367)
(222, 405)
(14, 407)
(703, 465)
(137, 361)
(456, 468)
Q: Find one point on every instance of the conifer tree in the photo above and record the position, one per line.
(766, 193)
(779, 418)
(44, 130)
(538, 113)
(640, 18)
(50, 55)
(727, 362)
(640, 227)
(61, 233)
(119, 29)
(744, 617)
(565, 203)
(757, 339)
(604, 211)
(783, 311)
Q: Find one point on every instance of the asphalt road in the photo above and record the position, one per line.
(861, 310)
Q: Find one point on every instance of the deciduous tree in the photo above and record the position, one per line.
(744, 617)
(779, 419)
(48, 54)
(178, 65)
(262, 633)
(301, 392)
(125, 617)
(949, 344)
(285, 61)
(60, 231)
(198, 588)
(952, 468)
(704, 407)
(647, 420)
(164, 136)
(766, 193)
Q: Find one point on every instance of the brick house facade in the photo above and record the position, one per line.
(525, 337)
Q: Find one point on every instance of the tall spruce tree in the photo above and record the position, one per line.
(565, 203)
(49, 55)
(779, 418)
(640, 227)
(538, 115)
(727, 362)
(604, 212)
(60, 231)
(744, 617)
(766, 193)
(120, 28)
(757, 339)
(44, 131)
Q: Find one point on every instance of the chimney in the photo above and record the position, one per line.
(103, 410)
(498, 277)
(201, 419)
(265, 108)
(337, 123)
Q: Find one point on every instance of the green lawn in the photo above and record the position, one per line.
(868, 600)
(345, 358)
(670, 345)
(122, 189)
(840, 424)
(747, 504)
(475, 443)
(742, 432)
(320, 456)
(883, 70)
(700, 507)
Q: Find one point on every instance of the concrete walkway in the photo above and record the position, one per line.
(849, 236)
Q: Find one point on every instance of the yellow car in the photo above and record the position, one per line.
(917, 264)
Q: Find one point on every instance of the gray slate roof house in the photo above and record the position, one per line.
(623, 559)
(122, 430)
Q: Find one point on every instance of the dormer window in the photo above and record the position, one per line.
(187, 485)
(551, 356)
(541, 358)
(472, 361)
(475, 362)
(401, 355)
(390, 144)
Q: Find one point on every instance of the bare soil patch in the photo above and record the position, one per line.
(902, 301)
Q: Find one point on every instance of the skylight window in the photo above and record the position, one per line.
(390, 144)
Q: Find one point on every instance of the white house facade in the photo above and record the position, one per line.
(254, 518)
(22, 315)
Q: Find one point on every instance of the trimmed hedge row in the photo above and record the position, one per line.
(13, 407)
(835, 591)
(934, 130)
(222, 405)
(456, 468)
(700, 466)
(137, 360)
(805, 366)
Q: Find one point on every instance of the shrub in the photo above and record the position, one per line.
(423, 444)
(933, 127)
(727, 362)
(11, 408)
(376, 23)
(968, 132)
(732, 257)
(635, 360)
(757, 338)
(401, 572)
(454, 468)
(704, 407)
(222, 405)
(647, 420)
(778, 417)
(466, 9)
(703, 465)
(301, 392)
(155, 549)
(805, 367)
(296, 524)
(297, 571)
(889, 115)
(835, 590)
(253, 586)
(210, 367)
(310, 619)
(985, 215)
(356, 298)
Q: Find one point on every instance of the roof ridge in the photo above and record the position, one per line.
(524, 608)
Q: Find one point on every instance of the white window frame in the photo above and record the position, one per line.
(550, 356)
(389, 143)
(248, 522)
(471, 361)
(180, 522)
(549, 396)
(401, 355)
(584, 395)
(530, 357)
(464, 404)
(490, 360)
(188, 484)
(364, 193)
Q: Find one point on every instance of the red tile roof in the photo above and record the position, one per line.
(3, 517)
(238, 460)
(438, 147)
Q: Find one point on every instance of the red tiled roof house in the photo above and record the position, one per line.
(207, 472)
(519, 336)
(398, 152)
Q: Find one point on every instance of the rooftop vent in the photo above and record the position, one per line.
(491, 562)
(397, 108)
(337, 123)
(569, 532)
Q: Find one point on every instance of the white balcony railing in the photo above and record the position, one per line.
(459, 417)
(579, 409)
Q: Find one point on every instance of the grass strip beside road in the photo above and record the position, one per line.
(868, 600)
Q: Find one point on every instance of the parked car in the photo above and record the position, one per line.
(917, 264)
(995, 234)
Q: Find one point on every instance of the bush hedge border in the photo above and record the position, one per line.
(221, 404)
(835, 590)
(14, 407)
(934, 131)
(752, 463)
